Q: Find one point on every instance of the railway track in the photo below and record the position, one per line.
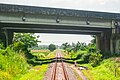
(59, 71)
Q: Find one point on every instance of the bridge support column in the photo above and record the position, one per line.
(115, 44)
(98, 42)
(107, 38)
(103, 42)
(6, 36)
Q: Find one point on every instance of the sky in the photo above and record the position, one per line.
(58, 39)
(91, 5)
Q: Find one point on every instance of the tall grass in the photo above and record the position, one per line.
(12, 64)
(105, 71)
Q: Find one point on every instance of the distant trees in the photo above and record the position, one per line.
(40, 47)
(66, 46)
(74, 47)
(52, 47)
(29, 39)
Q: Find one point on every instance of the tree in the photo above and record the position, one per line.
(52, 47)
(29, 39)
(78, 46)
(65, 46)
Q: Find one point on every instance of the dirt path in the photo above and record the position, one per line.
(70, 72)
(48, 74)
(79, 72)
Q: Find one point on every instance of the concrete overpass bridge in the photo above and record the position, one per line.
(19, 18)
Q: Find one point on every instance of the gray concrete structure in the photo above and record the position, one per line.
(19, 18)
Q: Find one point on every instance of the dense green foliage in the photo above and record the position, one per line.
(95, 58)
(12, 64)
(108, 69)
(29, 39)
(74, 47)
(16, 59)
(52, 47)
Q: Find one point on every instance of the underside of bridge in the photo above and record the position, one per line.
(17, 18)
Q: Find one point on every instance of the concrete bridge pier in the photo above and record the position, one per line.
(107, 43)
(117, 48)
(115, 41)
(6, 36)
(98, 42)
(103, 42)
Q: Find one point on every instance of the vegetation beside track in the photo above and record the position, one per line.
(36, 73)
(12, 64)
(107, 68)
(16, 60)
(15, 64)
(101, 66)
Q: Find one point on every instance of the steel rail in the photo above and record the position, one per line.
(55, 68)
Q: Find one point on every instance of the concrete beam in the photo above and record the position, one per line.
(44, 30)
(51, 20)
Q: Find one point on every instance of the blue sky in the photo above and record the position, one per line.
(92, 5)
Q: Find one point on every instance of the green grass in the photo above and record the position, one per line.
(12, 64)
(38, 53)
(36, 73)
(105, 71)
(44, 55)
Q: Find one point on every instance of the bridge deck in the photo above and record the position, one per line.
(58, 11)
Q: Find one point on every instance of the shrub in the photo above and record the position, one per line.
(85, 57)
(41, 55)
(20, 47)
(95, 58)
